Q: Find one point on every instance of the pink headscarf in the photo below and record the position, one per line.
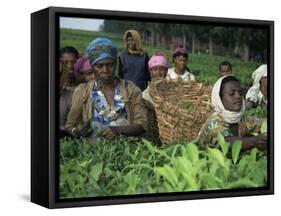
(81, 65)
(180, 51)
(158, 59)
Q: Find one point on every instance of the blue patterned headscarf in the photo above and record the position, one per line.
(101, 48)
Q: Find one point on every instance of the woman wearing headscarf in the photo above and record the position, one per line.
(158, 67)
(228, 119)
(68, 57)
(180, 58)
(107, 106)
(83, 69)
(133, 62)
(257, 94)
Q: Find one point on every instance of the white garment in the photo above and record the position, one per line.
(146, 95)
(228, 116)
(254, 94)
(186, 76)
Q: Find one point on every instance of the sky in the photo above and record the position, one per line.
(80, 23)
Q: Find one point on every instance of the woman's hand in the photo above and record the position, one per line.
(113, 131)
(81, 130)
(109, 132)
(261, 141)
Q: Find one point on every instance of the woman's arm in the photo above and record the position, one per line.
(74, 116)
(259, 141)
(130, 130)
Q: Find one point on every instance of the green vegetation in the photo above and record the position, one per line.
(135, 166)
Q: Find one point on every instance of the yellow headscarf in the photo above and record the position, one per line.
(139, 49)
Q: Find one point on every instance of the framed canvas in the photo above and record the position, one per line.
(133, 107)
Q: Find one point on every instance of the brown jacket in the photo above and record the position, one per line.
(81, 111)
(64, 104)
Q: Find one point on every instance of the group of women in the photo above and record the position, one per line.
(96, 102)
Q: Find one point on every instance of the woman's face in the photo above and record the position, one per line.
(263, 86)
(232, 96)
(87, 75)
(131, 43)
(104, 70)
(224, 70)
(180, 63)
(158, 71)
(67, 61)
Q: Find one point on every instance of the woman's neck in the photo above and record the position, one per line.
(179, 72)
(110, 84)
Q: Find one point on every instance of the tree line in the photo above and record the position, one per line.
(249, 44)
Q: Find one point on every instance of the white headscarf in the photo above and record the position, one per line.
(254, 94)
(228, 116)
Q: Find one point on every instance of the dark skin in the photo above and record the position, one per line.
(158, 71)
(263, 86)
(232, 100)
(180, 64)
(224, 70)
(88, 75)
(263, 89)
(104, 71)
(131, 43)
(67, 61)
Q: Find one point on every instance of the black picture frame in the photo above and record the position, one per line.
(44, 107)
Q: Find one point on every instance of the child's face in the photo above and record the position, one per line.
(131, 43)
(158, 71)
(180, 62)
(224, 70)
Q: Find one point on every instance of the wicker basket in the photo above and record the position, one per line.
(175, 121)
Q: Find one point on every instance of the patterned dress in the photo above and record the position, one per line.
(107, 114)
(215, 124)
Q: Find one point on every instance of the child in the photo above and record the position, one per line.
(225, 68)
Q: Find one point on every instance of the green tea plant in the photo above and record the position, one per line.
(136, 166)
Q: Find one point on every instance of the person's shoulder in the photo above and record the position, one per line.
(215, 119)
(171, 70)
(188, 72)
(82, 87)
(123, 54)
(128, 84)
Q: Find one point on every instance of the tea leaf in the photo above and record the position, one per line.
(243, 183)
(192, 152)
(236, 147)
(264, 127)
(253, 154)
(217, 155)
(223, 144)
(96, 171)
